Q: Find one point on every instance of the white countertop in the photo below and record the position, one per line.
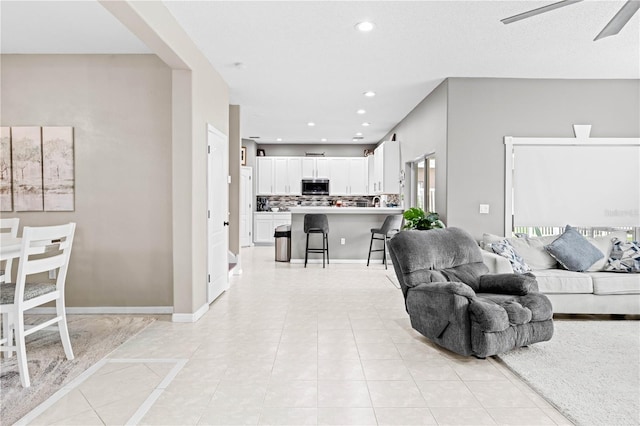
(346, 210)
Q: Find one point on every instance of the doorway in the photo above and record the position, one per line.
(246, 206)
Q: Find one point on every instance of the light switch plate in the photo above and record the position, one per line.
(484, 208)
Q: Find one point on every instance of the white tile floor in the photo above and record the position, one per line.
(293, 346)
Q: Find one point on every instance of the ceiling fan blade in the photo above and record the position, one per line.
(538, 11)
(619, 20)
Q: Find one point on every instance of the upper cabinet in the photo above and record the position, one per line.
(348, 176)
(387, 168)
(279, 175)
(264, 167)
(315, 168)
(287, 175)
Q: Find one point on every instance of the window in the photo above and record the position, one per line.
(423, 182)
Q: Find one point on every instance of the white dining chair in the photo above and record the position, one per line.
(8, 227)
(45, 248)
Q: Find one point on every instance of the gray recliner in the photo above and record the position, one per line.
(453, 300)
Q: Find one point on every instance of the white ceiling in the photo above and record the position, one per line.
(304, 61)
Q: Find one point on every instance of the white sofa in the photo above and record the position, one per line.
(589, 292)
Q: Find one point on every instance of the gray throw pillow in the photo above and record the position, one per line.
(573, 251)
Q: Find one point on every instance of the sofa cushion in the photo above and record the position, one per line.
(563, 281)
(624, 257)
(604, 244)
(531, 249)
(573, 251)
(611, 283)
(505, 249)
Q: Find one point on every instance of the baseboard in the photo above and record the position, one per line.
(121, 310)
(191, 317)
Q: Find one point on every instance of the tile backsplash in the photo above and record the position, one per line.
(284, 202)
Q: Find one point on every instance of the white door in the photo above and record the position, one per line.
(246, 206)
(218, 214)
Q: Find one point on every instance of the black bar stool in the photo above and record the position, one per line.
(391, 225)
(316, 224)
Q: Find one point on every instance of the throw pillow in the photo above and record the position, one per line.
(604, 244)
(505, 249)
(625, 257)
(573, 251)
(532, 251)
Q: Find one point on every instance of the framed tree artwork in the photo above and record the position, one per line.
(57, 168)
(26, 157)
(6, 198)
(243, 156)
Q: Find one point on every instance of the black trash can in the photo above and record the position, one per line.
(283, 243)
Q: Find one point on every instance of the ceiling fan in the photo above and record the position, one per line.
(612, 28)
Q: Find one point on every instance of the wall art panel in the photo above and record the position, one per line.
(26, 157)
(6, 198)
(57, 168)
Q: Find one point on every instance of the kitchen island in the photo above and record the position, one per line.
(349, 233)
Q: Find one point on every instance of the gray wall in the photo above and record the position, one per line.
(483, 111)
(424, 131)
(464, 121)
(330, 150)
(234, 172)
(120, 108)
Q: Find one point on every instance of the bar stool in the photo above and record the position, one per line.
(391, 225)
(316, 224)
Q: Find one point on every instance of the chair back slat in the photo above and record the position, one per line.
(44, 265)
(44, 248)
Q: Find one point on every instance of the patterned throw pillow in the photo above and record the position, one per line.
(505, 249)
(624, 257)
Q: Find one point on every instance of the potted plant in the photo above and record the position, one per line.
(416, 218)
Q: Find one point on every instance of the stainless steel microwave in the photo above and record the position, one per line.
(315, 186)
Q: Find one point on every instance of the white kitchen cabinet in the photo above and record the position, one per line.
(387, 168)
(371, 175)
(287, 176)
(265, 223)
(348, 176)
(265, 171)
(280, 176)
(315, 168)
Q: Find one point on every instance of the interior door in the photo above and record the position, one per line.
(218, 214)
(246, 206)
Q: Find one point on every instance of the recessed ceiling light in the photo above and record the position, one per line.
(361, 111)
(365, 26)
(239, 65)
(323, 139)
(359, 134)
(355, 139)
(369, 94)
(311, 124)
(365, 124)
(279, 139)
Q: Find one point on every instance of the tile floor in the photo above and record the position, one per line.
(293, 346)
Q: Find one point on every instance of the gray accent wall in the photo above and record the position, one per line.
(464, 121)
(484, 110)
(234, 171)
(120, 109)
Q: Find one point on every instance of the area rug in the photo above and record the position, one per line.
(92, 338)
(590, 370)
